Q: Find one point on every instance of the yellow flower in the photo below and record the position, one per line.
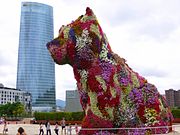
(134, 80)
(88, 18)
(102, 82)
(110, 112)
(84, 75)
(113, 92)
(93, 102)
(95, 29)
(150, 115)
(66, 32)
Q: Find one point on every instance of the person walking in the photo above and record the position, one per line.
(5, 128)
(76, 128)
(56, 129)
(63, 125)
(48, 128)
(69, 130)
(41, 129)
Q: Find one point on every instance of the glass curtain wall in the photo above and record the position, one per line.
(36, 69)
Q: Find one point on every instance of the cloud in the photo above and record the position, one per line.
(158, 29)
(144, 18)
(145, 33)
(151, 72)
(64, 80)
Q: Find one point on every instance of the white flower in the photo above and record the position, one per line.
(83, 40)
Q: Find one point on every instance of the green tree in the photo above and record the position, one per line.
(19, 109)
(12, 109)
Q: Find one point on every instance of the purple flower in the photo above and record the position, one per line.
(107, 70)
(136, 96)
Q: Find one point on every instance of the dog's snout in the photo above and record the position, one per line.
(53, 42)
(48, 44)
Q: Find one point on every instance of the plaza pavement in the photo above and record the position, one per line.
(33, 129)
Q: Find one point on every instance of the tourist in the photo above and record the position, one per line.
(41, 129)
(63, 125)
(69, 130)
(48, 128)
(56, 129)
(1, 120)
(76, 128)
(21, 131)
(5, 129)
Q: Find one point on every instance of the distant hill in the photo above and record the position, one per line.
(60, 103)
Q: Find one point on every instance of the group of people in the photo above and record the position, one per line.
(48, 128)
(20, 130)
(56, 128)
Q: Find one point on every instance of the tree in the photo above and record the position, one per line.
(19, 109)
(12, 109)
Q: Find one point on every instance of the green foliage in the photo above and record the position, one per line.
(176, 113)
(12, 109)
(76, 116)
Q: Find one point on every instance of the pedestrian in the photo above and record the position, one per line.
(48, 128)
(69, 129)
(5, 129)
(1, 120)
(56, 129)
(21, 131)
(41, 129)
(76, 128)
(63, 125)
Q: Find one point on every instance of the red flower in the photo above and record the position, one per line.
(89, 12)
(84, 64)
(71, 51)
(93, 121)
(76, 73)
(93, 84)
(141, 113)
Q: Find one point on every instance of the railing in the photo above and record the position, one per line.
(172, 130)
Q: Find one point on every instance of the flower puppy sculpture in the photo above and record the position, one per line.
(111, 93)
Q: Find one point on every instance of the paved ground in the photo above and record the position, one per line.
(33, 129)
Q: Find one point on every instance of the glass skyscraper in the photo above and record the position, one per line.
(36, 69)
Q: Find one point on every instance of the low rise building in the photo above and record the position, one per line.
(12, 95)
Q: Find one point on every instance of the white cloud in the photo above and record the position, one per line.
(145, 33)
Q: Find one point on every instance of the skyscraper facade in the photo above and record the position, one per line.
(73, 101)
(36, 70)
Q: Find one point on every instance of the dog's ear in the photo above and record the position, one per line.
(89, 12)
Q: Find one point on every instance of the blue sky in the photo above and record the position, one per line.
(144, 32)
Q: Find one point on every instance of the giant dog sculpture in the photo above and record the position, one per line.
(111, 93)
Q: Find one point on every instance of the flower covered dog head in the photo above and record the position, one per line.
(80, 42)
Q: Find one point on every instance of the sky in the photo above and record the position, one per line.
(144, 32)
